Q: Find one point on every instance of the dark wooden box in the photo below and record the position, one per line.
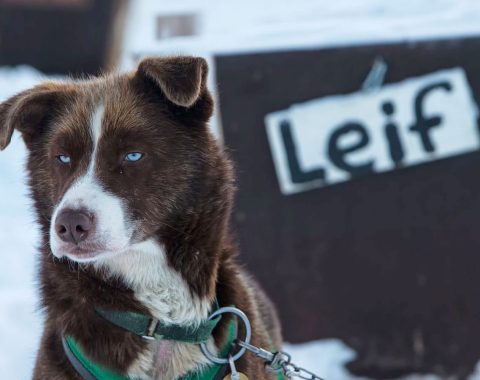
(389, 262)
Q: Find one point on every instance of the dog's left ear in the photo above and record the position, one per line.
(181, 79)
(28, 112)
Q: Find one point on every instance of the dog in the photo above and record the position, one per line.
(133, 195)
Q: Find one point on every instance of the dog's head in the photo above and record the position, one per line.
(117, 160)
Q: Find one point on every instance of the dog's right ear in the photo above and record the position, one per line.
(28, 112)
(183, 82)
(182, 79)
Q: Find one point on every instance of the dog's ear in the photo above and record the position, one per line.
(181, 79)
(28, 112)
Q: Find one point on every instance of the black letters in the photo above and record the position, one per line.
(296, 173)
(337, 154)
(423, 124)
(339, 145)
(391, 132)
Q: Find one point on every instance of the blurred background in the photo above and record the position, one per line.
(354, 129)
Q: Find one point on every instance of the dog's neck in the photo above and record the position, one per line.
(145, 270)
(168, 297)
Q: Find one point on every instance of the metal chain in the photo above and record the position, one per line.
(274, 361)
(291, 371)
(279, 362)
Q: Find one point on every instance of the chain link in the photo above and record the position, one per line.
(293, 371)
(279, 362)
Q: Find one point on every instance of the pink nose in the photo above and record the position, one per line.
(73, 226)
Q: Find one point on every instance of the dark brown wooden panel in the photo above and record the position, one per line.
(388, 263)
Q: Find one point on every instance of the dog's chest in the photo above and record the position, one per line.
(168, 298)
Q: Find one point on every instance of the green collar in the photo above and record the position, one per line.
(90, 370)
(150, 328)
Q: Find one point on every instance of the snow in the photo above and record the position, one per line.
(20, 321)
(227, 27)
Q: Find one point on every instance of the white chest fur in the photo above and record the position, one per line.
(166, 294)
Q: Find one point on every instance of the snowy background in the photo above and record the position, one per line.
(223, 29)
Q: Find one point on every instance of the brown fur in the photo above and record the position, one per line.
(182, 194)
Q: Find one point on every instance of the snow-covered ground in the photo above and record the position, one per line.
(20, 323)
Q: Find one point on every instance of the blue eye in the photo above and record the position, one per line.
(133, 156)
(63, 158)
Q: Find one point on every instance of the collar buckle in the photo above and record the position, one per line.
(152, 326)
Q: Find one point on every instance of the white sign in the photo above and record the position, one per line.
(337, 138)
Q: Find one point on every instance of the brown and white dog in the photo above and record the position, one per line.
(133, 195)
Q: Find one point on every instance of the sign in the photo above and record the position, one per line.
(341, 137)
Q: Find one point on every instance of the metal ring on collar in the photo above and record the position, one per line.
(248, 335)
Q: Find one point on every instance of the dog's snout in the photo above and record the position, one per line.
(74, 226)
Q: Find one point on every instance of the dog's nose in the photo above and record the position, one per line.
(73, 226)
